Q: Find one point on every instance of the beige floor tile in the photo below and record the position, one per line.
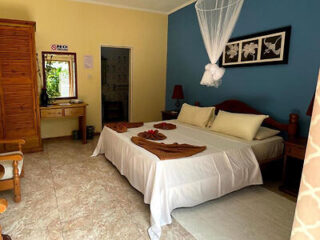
(79, 228)
(66, 194)
(115, 225)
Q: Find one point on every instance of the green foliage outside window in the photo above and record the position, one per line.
(53, 80)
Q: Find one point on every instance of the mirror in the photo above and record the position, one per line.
(60, 74)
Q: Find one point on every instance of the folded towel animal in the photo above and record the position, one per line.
(122, 127)
(152, 135)
(168, 151)
(165, 126)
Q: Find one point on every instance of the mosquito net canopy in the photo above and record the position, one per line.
(217, 19)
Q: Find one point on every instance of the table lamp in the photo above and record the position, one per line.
(177, 94)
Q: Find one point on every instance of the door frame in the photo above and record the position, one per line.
(130, 75)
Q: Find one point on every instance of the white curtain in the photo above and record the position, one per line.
(306, 225)
(217, 19)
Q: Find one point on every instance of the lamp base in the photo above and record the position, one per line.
(178, 105)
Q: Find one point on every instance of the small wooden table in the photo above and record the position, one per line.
(296, 149)
(68, 111)
(168, 115)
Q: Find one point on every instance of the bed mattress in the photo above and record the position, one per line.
(228, 164)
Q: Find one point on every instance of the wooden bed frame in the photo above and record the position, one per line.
(288, 130)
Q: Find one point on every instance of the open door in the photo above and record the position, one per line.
(115, 85)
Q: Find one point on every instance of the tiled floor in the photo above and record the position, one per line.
(66, 194)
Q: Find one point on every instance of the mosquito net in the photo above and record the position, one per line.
(217, 19)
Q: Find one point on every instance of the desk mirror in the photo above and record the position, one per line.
(60, 74)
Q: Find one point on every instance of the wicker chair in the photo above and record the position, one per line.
(11, 168)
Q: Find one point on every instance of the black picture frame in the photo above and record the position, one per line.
(263, 48)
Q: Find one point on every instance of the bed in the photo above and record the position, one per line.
(228, 164)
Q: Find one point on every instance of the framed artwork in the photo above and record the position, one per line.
(270, 47)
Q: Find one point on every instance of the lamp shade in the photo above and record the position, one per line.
(177, 92)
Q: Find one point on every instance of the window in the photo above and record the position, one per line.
(60, 75)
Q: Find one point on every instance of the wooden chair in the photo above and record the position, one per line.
(11, 163)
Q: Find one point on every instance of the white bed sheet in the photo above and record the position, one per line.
(228, 164)
(265, 150)
(268, 149)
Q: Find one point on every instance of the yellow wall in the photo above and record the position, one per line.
(85, 27)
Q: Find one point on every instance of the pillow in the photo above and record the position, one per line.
(198, 116)
(265, 132)
(211, 119)
(238, 124)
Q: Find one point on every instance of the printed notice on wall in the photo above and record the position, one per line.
(59, 47)
(88, 61)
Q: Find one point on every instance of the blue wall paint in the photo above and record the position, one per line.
(273, 89)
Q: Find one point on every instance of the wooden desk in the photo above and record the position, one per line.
(68, 111)
(294, 149)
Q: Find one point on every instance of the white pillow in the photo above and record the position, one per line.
(265, 132)
(198, 116)
(238, 124)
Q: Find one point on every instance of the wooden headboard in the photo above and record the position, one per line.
(237, 106)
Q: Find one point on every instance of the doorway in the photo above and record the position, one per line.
(115, 75)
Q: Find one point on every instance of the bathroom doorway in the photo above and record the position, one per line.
(115, 79)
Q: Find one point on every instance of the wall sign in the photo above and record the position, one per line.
(59, 47)
(271, 47)
(88, 61)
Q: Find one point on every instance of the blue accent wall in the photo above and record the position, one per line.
(273, 89)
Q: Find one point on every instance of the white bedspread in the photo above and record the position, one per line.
(225, 166)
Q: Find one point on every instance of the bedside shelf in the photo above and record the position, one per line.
(168, 115)
(294, 154)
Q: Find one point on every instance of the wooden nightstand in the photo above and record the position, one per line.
(168, 115)
(294, 153)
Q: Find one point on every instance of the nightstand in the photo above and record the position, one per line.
(168, 115)
(294, 153)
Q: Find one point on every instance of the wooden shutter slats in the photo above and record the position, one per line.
(19, 115)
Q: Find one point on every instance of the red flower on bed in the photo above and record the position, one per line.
(152, 132)
(152, 135)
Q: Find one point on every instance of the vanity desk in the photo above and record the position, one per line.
(67, 111)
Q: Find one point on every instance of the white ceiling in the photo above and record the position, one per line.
(159, 6)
